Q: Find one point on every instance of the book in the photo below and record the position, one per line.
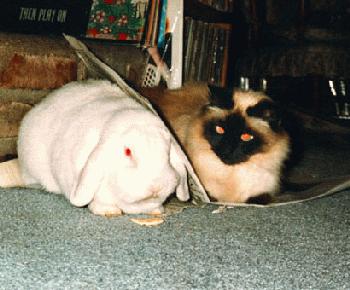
(218, 72)
(225, 59)
(221, 58)
(213, 49)
(206, 52)
(188, 39)
(195, 53)
(202, 60)
(45, 16)
(162, 24)
(155, 25)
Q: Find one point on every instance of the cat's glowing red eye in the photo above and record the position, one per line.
(246, 137)
(220, 130)
(127, 152)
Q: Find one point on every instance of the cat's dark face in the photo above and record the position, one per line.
(231, 134)
(231, 139)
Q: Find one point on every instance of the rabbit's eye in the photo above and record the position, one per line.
(127, 152)
(247, 137)
(220, 130)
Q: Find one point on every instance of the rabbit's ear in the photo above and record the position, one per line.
(90, 178)
(182, 191)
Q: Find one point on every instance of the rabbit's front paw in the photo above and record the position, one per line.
(157, 211)
(104, 209)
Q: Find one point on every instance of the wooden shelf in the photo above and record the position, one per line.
(199, 11)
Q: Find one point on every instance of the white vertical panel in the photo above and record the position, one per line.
(176, 16)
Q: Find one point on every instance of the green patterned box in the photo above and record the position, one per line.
(121, 20)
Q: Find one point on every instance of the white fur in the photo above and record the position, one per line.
(74, 143)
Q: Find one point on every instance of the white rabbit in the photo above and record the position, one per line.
(99, 147)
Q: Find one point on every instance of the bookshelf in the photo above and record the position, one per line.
(207, 41)
(188, 62)
(109, 23)
(185, 63)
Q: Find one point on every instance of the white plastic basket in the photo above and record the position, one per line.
(152, 76)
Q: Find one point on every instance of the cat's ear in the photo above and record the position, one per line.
(267, 111)
(220, 97)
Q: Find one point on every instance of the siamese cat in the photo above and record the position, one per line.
(235, 140)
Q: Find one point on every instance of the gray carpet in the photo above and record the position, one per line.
(46, 243)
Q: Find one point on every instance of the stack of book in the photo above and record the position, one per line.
(142, 22)
(206, 47)
(155, 26)
(145, 23)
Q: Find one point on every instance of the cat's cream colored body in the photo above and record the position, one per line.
(182, 109)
